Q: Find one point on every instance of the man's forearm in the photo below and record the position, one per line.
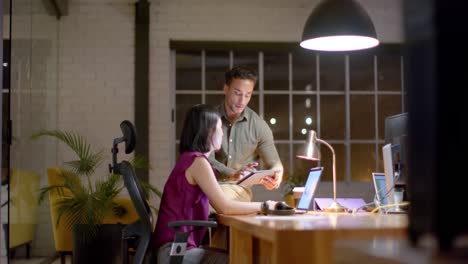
(278, 167)
(223, 170)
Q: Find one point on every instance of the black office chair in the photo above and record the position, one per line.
(138, 234)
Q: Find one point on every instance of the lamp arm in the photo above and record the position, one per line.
(334, 165)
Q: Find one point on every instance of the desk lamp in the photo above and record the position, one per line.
(310, 151)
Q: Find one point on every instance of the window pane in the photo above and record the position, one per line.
(246, 58)
(253, 104)
(363, 158)
(276, 71)
(361, 71)
(304, 71)
(302, 167)
(184, 102)
(304, 115)
(381, 166)
(214, 99)
(388, 105)
(389, 74)
(283, 151)
(332, 72)
(362, 117)
(188, 70)
(332, 122)
(216, 64)
(327, 162)
(276, 115)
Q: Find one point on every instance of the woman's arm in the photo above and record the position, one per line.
(201, 173)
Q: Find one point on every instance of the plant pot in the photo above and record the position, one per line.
(288, 198)
(104, 247)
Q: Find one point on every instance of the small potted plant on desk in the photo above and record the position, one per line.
(84, 201)
(295, 180)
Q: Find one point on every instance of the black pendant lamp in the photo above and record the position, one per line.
(339, 25)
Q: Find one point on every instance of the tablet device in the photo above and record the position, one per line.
(255, 177)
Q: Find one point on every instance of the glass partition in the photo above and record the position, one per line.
(32, 84)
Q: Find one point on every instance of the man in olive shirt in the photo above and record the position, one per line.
(247, 137)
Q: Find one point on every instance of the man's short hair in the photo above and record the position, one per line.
(240, 72)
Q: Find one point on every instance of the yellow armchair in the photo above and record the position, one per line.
(23, 205)
(62, 235)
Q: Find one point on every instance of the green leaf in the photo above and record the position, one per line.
(87, 202)
(88, 161)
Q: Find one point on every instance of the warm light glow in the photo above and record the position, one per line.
(272, 120)
(304, 131)
(340, 43)
(308, 120)
(307, 158)
(307, 103)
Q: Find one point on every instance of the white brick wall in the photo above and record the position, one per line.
(94, 64)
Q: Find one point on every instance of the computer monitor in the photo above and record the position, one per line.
(395, 128)
(396, 134)
(389, 172)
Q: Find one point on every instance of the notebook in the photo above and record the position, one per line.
(309, 190)
(380, 187)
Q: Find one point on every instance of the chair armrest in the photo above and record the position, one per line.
(193, 223)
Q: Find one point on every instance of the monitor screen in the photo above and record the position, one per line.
(380, 188)
(396, 134)
(389, 172)
(395, 128)
(310, 187)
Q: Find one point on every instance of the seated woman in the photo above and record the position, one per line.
(192, 187)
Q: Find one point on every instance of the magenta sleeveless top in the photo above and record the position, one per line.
(181, 201)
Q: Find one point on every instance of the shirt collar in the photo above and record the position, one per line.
(244, 115)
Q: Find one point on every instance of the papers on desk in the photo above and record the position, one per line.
(350, 203)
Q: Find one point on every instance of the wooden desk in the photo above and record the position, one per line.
(303, 238)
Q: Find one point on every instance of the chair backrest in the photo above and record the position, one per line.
(141, 229)
(62, 235)
(136, 193)
(23, 207)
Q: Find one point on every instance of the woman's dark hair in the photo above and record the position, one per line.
(200, 121)
(240, 72)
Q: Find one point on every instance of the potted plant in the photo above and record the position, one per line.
(88, 197)
(294, 180)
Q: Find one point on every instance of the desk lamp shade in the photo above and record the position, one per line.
(339, 25)
(310, 152)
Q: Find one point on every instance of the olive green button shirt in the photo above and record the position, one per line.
(247, 140)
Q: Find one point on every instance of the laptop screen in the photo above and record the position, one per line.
(309, 189)
(380, 187)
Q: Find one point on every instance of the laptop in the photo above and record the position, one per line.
(380, 187)
(309, 190)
